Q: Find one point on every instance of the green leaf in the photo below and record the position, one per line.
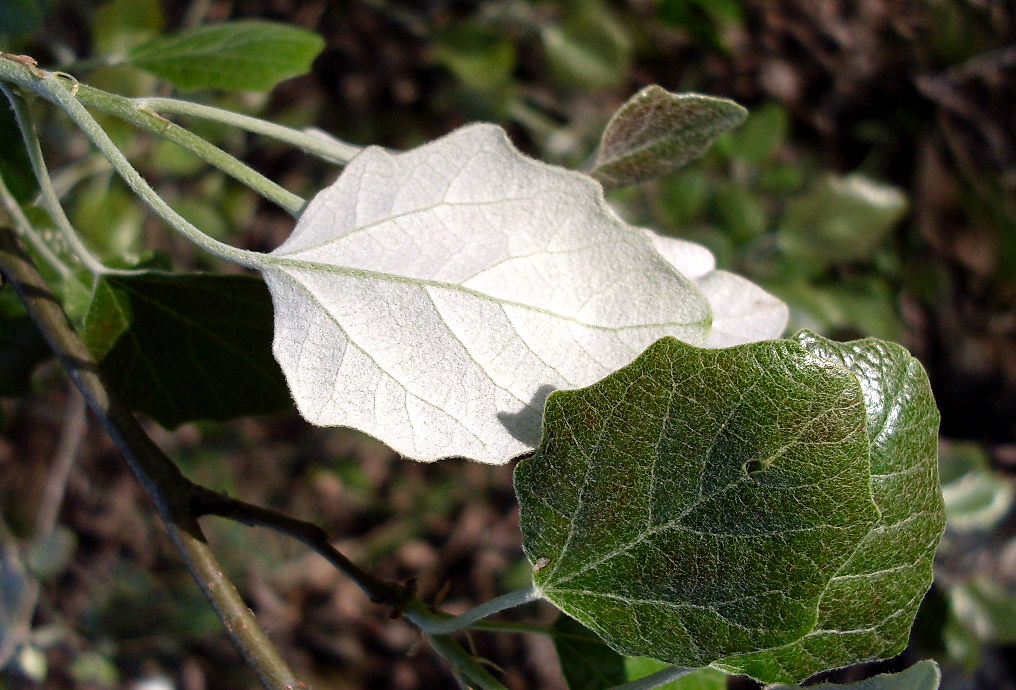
(656, 132)
(588, 49)
(21, 345)
(986, 609)
(868, 608)
(924, 675)
(187, 347)
(480, 58)
(695, 504)
(840, 219)
(699, 679)
(243, 55)
(586, 662)
(975, 497)
(122, 24)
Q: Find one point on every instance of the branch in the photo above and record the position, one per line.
(169, 490)
(138, 115)
(323, 146)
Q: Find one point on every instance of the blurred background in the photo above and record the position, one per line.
(872, 188)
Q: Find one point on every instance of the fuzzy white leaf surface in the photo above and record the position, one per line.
(434, 298)
(742, 311)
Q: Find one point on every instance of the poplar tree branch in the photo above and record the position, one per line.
(168, 489)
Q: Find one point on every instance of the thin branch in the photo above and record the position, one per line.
(655, 680)
(169, 490)
(323, 146)
(134, 112)
(71, 435)
(208, 502)
(50, 87)
(49, 196)
(10, 206)
(442, 624)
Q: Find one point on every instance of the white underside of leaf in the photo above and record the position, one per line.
(434, 298)
(742, 311)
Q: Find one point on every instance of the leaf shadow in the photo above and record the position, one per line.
(526, 425)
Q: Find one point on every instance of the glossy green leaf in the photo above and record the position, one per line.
(695, 504)
(924, 675)
(868, 608)
(699, 679)
(187, 347)
(586, 662)
(656, 132)
(242, 55)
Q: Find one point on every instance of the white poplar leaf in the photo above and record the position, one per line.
(434, 298)
(742, 311)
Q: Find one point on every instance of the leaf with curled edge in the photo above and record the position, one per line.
(434, 298)
(656, 132)
(695, 504)
(868, 607)
(742, 311)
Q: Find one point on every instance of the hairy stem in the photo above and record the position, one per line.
(169, 490)
(443, 624)
(655, 680)
(49, 195)
(12, 209)
(136, 113)
(325, 147)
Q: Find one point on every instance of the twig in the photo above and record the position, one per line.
(169, 490)
(74, 427)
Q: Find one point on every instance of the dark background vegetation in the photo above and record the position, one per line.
(918, 97)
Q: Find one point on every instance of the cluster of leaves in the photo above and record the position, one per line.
(737, 507)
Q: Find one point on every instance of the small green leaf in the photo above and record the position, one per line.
(696, 503)
(699, 679)
(243, 55)
(480, 58)
(187, 347)
(656, 132)
(985, 608)
(586, 662)
(840, 219)
(588, 49)
(924, 675)
(122, 24)
(868, 608)
(975, 496)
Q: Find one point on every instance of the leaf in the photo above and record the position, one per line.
(588, 49)
(122, 24)
(243, 55)
(840, 219)
(976, 498)
(695, 504)
(655, 132)
(742, 311)
(924, 675)
(868, 608)
(586, 662)
(434, 298)
(186, 347)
